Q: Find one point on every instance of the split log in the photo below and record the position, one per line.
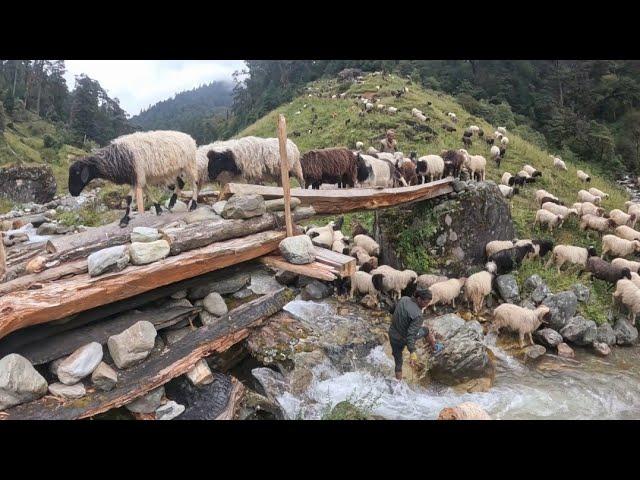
(317, 270)
(63, 298)
(3, 258)
(36, 280)
(176, 360)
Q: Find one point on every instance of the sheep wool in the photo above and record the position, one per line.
(329, 165)
(627, 233)
(518, 319)
(476, 288)
(508, 192)
(598, 193)
(619, 247)
(621, 218)
(368, 243)
(507, 179)
(496, 245)
(629, 294)
(431, 166)
(624, 263)
(585, 196)
(446, 292)
(495, 152)
(561, 210)
(559, 164)
(569, 254)
(583, 176)
(389, 279)
(426, 280)
(545, 217)
(361, 283)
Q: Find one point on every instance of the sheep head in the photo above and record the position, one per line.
(636, 245)
(81, 172)
(544, 314)
(591, 251)
(625, 273)
(221, 162)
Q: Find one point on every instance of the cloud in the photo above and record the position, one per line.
(140, 83)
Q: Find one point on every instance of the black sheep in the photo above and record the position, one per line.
(603, 270)
(544, 246)
(506, 260)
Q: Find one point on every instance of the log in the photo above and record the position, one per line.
(348, 200)
(176, 360)
(344, 265)
(63, 298)
(284, 172)
(36, 280)
(3, 258)
(315, 269)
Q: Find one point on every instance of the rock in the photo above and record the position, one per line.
(581, 292)
(179, 295)
(200, 374)
(303, 281)
(626, 334)
(218, 207)
(112, 259)
(445, 326)
(201, 214)
(298, 250)
(104, 377)
(173, 336)
(580, 331)
(254, 406)
(147, 403)
(475, 325)
(244, 206)
(181, 302)
(273, 383)
(533, 282)
(179, 206)
(528, 304)
(22, 184)
(277, 205)
(19, 381)
(565, 351)
(316, 290)
(226, 286)
(215, 305)
(207, 318)
(369, 301)
(67, 392)
(606, 334)
(284, 277)
(242, 294)
(563, 306)
(205, 402)
(508, 288)
(53, 366)
(459, 186)
(143, 253)
(464, 411)
(602, 348)
(540, 293)
(145, 235)
(548, 337)
(47, 229)
(133, 345)
(80, 363)
(263, 283)
(533, 352)
(169, 411)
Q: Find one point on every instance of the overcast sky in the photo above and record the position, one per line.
(140, 83)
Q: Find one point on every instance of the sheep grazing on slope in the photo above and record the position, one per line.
(387, 279)
(627, 233)
(489, 139)
(619, 247)
(633, 209)
(496, 245)
(446, 292)
(584, 208)
(584, 196)
(476, 289)
(542, 194)
(583, 176)
(540, 246)
(598, 193)
(559, 164)
(329, 165)
(255, 159)
(504, 141)
(426, 280)
(570, 254)
(495, 153)
(507, 179)
(508, 192)
(551, 220)
(502, 130)
(369, 244)
(453, 117)
(498, 135)
(476, 165)
(508, 259)
(453, 161)
(606, 271)
(621, 218)
(527, 178)
(532, 171)
(628, 293)
(392, 110)
(467, 142)
(141, 159)
(373, 172)
(431, 166)
(561, 210)
(519, 319)
(598, 224)
(624, 263)
(464, 411)
(361, 282)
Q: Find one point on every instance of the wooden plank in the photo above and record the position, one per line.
(313, 270)
(348, 200)
(79, 293)
(3, 257)
(176, 360)
(36, 280)
(284, 173)
(344, 264)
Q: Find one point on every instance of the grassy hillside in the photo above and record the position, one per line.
(333, 113)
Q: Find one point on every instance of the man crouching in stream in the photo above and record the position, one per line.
(406, 328)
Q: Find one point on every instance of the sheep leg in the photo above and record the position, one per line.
(124, 221)
(174, 197)
(139, 199)
(530, 338)
(193, 203)
(521, 339)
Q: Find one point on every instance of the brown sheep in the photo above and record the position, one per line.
(329, 165)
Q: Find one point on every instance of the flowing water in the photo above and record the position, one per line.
(587, 387)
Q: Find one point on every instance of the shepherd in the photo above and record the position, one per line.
(389, 143)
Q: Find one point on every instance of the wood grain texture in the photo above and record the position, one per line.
(315, 269)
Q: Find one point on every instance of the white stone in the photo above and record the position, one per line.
(19, 381)
(104, 377)
(68, 392)
(215, 305)
(133, 345)
(143, 253)
(145, 234)
(80, 363)
(147, 403)
(112, 259)
(169, 411)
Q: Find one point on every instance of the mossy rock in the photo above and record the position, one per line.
(345, 411)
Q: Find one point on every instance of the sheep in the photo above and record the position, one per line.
(498, 135)
(496, 245)
(619, 247)
(525, 176)
(431, 165)
(504, 141)
(329, 165)
(373, 172)
(624, 263)
(507, 179)
(508, 192)
(361, 256)
(369, 244)
(415, 111)
(545, 217)
(519, 319)
(598, 193)
(361, 282)
(587, 207)
(141, 159)
(453, 161)
(489, 139)
(583, 176)
(446, 292)
(634, 209)
(359, 145)
(559, 164)
(570, 254)
(504, 261)
(464, 411)
(476, 288)
(606, 271)
(502, 130)
(598, 224)
(621, 218)
(380, 106)
(255, 159)
(627, 233)
(392, 110)
(340, 242)
(561, 210)
(467, 133)
(629, 294)
(541, 194)
(372, 151)
(323, 236)
(474, 129)
(467, 142)
(407, 170)
(387, 279)
(532, 171)
(540, 246)
(387, 156)
(426, 280)
(453, 117)
(585, 196)
(476, 164)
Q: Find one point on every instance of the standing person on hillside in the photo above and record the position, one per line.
(406, 328)
(389, 143)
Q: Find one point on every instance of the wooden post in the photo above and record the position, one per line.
(140, 200)
(284, 170)
(3, 257)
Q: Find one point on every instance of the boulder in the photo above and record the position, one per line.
(169, 411)
(200, 374)
(582, 293)
(563, 306)
(133, 345)
(626, 334)
(230, 284)
(244, 206)
(369, 301)
(218, 207)
(179, 207)
(277, 205)
(540, 293)
(47, 228)
(145, 235)
(22, 184)
(565, 351)
(285, 277)
(534, 352)
(606, 334)
(263, 283)
(316, 290)
(298, 250)
(67, 392)
(143, 253)
(548, 337)
(601, 349)
(19, 381)
(173, 336)
(445, 326)
(508, 288)
(533, 282)
(80, 363)
(112, 259)
(579, 330)
(215, 305)
(104, 377)
(147, 403)
(200, 215)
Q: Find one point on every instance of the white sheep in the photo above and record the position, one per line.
(622, 218)
(507, 192)
(446, 292)
(583, 176)
(388, 279)
(628, 293)
(361, 283)
(502, 130)
(585, 196)
(359, 145)
(530, 170)
(559, 164)
(598, 224)
(392, 110)
(505, 176)
(635, 278)
(518, 319)
(322, 236)
(624, 263)
(598, 193)
(570, 254)
(415, 112)
(476, 288)
(474, 164)
(363, 257)
(584, 208)
(432, 166)
(368, 106)
(380, 106)
(381, 172)
(561, 210)
(369, 244)
(495, 152)
(474, 128)
(424, 281)
(504, 141)
(545, 217)
(619, 247)
(339, 242)
(634, 209)
(627, 233)
(498, 135)
(496, 245)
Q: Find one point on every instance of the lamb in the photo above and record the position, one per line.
(254, 159)
(496, 245)
(464, 411)
(476, 288)
(392, 110)
(504, 261)
(359, 145)
(361, 256)
(453, 161)
(629, 294)
(361, 282)
(340, 242)
(624, 263)
(507, 179)
(619, 247)
(598, 224)
(368, 243)
(598, 193)
(540, 247)
(559, 164)
(141, 159)
(502, 130)
(622, 218)
(545, 217)
(532, 171)
(587, 207)
(570, 254)
(387, 279)
(627, 233)
(504, 141)
(431, 165)
(329, 165)
(606, 271)
(508, 192)
(561, 210)
(541, 194)
(585, 196)
(467, 142)
(426, 280)
(583, 176)
(475, 164)
(323, 236)
(407, 170)
(519, 319)
(373, 172)
(446, 292)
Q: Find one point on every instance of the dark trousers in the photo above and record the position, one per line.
(397, 347)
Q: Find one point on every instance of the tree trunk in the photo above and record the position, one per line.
(15, 79)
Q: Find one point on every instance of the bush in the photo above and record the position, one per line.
(50, 142)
